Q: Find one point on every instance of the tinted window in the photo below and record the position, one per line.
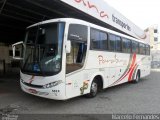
(112, 45)
(98, 40)
(17, 53)
(94, 39)
(10, 53)
(142, 49)
(147, 50)
(155, 31)
(77, 32)
(135, 47)
(155, 39)
(126, 45)
(118, 44)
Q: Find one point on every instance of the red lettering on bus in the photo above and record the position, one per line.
(90, 5)
(103, 14)
(102, 60)
(78, 1)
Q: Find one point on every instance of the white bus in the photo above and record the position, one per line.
(64, 58)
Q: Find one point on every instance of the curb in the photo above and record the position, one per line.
(156, 70)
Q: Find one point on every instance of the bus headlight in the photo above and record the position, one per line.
(52, 84)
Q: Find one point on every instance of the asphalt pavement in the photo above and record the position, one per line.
(127, 98)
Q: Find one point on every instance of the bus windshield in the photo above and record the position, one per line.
(43, 49)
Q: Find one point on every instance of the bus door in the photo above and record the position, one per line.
(75, 75)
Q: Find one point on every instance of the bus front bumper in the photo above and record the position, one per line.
(51, 93)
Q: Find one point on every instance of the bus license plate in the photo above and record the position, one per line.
(32, 91)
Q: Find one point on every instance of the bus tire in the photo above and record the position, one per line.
(138, 76)
(93, 89)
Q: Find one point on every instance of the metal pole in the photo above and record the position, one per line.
(3, 6)
(4, 67)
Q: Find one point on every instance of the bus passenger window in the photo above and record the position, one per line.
(135, 47)
(99, 40)
(142, 49)
(75, 59)
(112, 44)
(78, 35)
(147, 50)
(126, 45)
(118, 44)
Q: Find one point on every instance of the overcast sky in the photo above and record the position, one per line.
(143, 13)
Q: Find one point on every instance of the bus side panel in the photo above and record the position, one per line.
(77, 83)
(123, 65)
(144, 65)
(104, 63)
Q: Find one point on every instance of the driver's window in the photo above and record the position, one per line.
(78, 37)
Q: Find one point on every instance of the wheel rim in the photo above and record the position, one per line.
(94, 88)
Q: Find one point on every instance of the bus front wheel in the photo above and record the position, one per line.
(93, 89)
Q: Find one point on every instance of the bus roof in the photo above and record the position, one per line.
(75, 21)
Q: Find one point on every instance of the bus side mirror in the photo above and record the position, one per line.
(19, 45)
(68, 46)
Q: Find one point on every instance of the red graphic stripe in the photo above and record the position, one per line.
(130, 69)
(133, 61)
(122, 77)
(134, 70)
(131, 73)
(31, 79)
